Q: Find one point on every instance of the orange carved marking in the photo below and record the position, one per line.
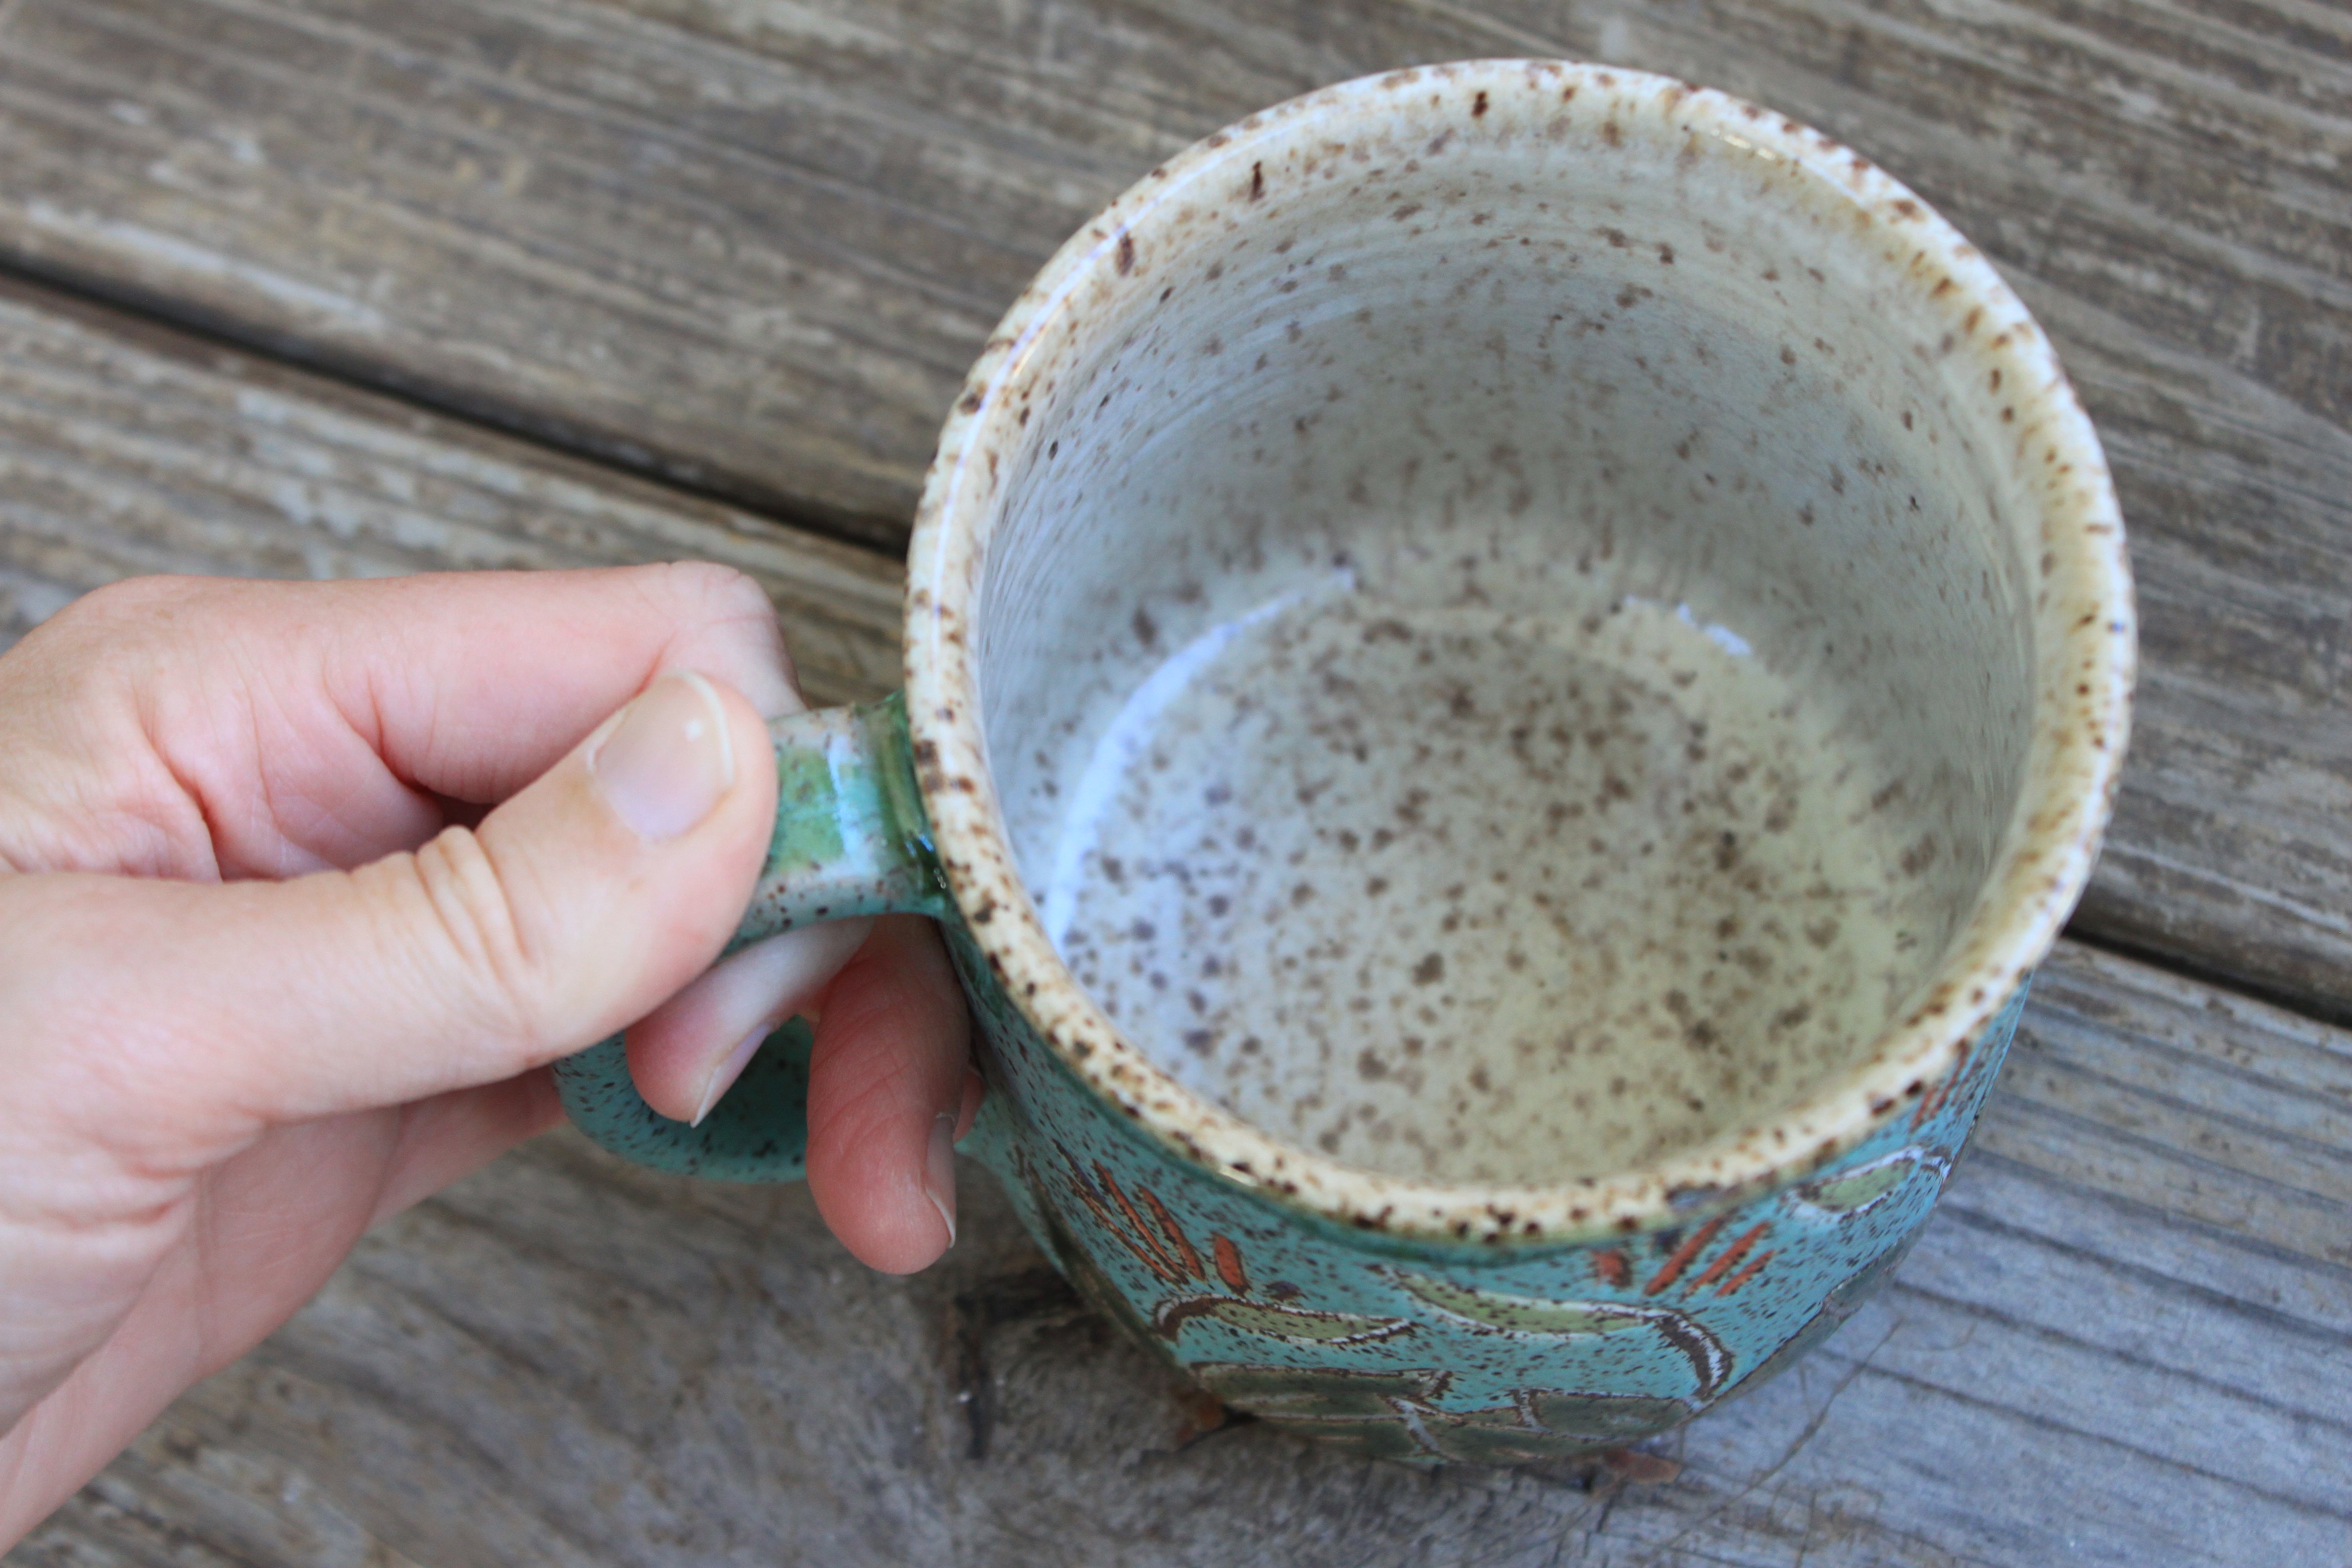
(1168, 1268)
(1149, 1256)
(1191, 1259)
(1610, 1266)
(1744, 1275)
(1729, 1256)
(1681, 1260)
(1229, 1264)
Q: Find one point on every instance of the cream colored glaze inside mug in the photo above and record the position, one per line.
(1531, 660)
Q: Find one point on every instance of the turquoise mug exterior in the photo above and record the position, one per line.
(1400, 1348)
(1411, 1320)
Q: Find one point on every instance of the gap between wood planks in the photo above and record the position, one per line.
(685, 479)
(672, 472)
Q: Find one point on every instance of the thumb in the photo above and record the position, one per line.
(575, 908)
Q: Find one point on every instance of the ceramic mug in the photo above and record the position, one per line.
(1653, 346)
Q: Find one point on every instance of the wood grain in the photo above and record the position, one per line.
(2123, 1341)
(746, 246)
(750, 244)
(126, 450)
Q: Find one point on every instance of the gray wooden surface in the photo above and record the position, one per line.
(696, 276)
(126, 447)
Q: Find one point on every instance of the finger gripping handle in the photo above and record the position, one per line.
(850, 840)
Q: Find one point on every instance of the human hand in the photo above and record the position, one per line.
(271, 972)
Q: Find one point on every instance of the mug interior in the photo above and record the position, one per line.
(1606, 510)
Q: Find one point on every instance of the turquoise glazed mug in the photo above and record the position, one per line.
(1508, 668)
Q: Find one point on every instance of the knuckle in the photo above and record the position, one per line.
(136, 599)
(713, 592)
(118, 620)
(711, 597)
(473, 916)
(129, 639)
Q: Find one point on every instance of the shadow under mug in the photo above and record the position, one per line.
(1657, 341)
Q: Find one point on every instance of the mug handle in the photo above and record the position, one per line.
(851, 839)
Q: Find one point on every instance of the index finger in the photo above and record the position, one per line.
(313, 724)
(473, 684)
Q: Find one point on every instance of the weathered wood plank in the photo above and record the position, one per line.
(2126, 1338)
(2094, 1356)
(752, 244)
(125, 449)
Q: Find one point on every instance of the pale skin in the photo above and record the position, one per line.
(304, 886)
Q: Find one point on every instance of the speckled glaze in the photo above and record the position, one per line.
(1518, 357)
(1466, 893)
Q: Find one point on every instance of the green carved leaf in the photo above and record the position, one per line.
(1852, 1191)
(1315, 1393)
(1534, 1315)
(1619, 1417)
(1277, 1322)
(1525, 1314)
(1389, 1439)
(1473, 1444)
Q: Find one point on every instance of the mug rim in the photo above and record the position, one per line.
(2083, 666)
